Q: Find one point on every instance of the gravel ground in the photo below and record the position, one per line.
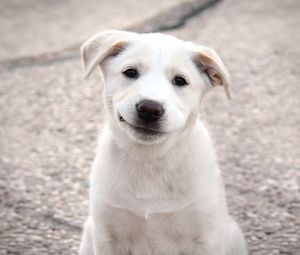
(50, 120)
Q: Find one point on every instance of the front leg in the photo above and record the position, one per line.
(209, 242)
(101, 245)
(86, 244)
(107, 241)
(207, 249)
(105, 248)
(227, 240)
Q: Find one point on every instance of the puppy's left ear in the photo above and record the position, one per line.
(208, 62)
(101, 46)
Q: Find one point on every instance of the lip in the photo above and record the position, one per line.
(144, 130)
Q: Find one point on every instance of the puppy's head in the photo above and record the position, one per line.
(153, 83)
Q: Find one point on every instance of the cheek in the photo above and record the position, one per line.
(189, 107)
(185, 105)
(111, 90)
(124, 103)
(189, 98)
(178, 110)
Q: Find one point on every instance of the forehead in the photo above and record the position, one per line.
(154, 49)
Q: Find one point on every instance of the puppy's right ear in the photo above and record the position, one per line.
(102, 46)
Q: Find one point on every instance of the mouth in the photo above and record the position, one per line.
(143, 130)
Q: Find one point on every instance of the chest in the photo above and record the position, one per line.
(147, 188)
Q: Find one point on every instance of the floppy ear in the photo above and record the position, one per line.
(102, 46)
(208, 62)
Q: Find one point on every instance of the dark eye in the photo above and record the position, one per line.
(179, 81)
(131, 73)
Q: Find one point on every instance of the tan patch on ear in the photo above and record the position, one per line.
(214, 77)
(206, 65)
(101, 46)
(210, 64)
(84, 57)
(115, 49)
(205, 59)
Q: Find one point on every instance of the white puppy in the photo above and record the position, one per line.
(155, 186)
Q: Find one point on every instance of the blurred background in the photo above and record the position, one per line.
(50, 118)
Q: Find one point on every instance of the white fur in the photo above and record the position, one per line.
(161, 195)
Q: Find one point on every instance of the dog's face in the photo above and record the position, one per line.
(153, 83)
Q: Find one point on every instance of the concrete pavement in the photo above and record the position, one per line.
(35, 27)
(50, 120)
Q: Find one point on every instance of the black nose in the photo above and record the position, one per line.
(149, 110)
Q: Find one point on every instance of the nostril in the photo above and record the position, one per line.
(158, 112)
(142, 108)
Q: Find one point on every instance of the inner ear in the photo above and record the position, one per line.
(207, 65)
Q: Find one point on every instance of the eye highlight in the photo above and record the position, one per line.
(179, 81)
(131, 73)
